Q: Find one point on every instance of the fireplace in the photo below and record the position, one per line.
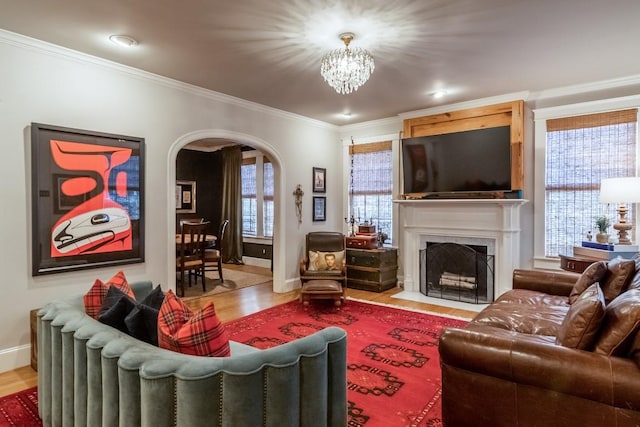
(494, 223)
(457, 272)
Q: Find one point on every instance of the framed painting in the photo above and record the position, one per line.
(319, 208)
(319, 180)
(185, 196)
(87, 199)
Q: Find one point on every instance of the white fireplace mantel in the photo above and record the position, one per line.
(495, 219)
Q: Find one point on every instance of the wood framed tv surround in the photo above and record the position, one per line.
(505, 114)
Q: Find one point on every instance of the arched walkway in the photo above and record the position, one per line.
(279, 209)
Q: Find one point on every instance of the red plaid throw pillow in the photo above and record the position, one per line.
(94, 298)
(200, 333)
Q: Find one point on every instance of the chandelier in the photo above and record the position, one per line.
(347, 69)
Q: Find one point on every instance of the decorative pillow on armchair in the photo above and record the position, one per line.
(580, 326)
(326, 261)
(95, 297)
(199, 334)
(592, 274)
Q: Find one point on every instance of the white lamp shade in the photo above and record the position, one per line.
(620, 190)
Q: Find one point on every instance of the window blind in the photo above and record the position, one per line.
(249, 207)
(371, 189)
(580, 152)
(267, 205)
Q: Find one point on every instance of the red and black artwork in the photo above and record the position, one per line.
(88, 199)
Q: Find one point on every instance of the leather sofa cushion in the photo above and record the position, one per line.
(526, 296)
(619, 274)
(523, 318)
(620, 325)
(582, 322)
(635, 281)
(592, 274)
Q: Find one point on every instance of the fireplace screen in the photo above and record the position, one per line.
(457, 272)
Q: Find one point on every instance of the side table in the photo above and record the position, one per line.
(576, 264)
(372, 269)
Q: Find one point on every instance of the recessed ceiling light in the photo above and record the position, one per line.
(439, 94)
(124, 41)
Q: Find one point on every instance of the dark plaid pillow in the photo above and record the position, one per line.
(181, 330)
(142, 321)
(95, 297)
(115, 308)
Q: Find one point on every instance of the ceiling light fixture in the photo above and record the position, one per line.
(124, 41)
(439, 94)
(347, 69)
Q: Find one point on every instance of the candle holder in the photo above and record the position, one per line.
(351, 222)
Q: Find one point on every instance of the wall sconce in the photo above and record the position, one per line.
(621, 191)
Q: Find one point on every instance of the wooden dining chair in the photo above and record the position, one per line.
(213, 256)
(190, 257)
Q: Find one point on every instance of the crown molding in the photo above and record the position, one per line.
(590, 107)
(499, 99)
(586, 87)
(370, 124)
(29, 43)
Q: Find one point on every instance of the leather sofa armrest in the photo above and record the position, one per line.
(548, 282)
(531, 360)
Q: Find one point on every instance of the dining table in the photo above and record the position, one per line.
(209, 239)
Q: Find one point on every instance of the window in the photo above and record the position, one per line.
(249, 201)
(370, 195)
(257, 196)
(267, 205)
(580, 152)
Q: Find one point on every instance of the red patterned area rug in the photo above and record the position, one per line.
(20, 409)
(392, 356)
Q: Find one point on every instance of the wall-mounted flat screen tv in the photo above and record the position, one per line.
(470, 161)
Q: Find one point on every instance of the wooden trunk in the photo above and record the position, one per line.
(372, 270)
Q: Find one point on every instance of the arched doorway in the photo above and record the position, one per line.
(279, 209)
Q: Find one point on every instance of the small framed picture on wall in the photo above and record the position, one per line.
(319, 208)
(319, 180)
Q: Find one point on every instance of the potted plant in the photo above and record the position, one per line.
(603, 223)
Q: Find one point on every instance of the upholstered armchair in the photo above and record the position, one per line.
(323, 269)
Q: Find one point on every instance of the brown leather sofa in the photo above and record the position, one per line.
(537, 357)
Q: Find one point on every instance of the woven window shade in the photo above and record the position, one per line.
(580, 152)
(371, 193)
(267, 206)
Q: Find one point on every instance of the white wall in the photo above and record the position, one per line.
(46, 84)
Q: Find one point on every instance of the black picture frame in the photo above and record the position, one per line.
(319, 180)
(319, 208)
(185, 196)
(87, 199)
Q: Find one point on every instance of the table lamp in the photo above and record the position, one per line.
(621, 191)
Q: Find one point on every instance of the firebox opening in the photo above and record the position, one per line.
(457, 272)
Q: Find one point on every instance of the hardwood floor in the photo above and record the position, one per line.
(234, 304)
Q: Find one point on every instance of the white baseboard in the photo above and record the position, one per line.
(15, 357)
(258, 262)
(291, 285)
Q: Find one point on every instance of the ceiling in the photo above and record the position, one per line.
(269, 51)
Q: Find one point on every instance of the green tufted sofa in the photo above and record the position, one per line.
(90, 374)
